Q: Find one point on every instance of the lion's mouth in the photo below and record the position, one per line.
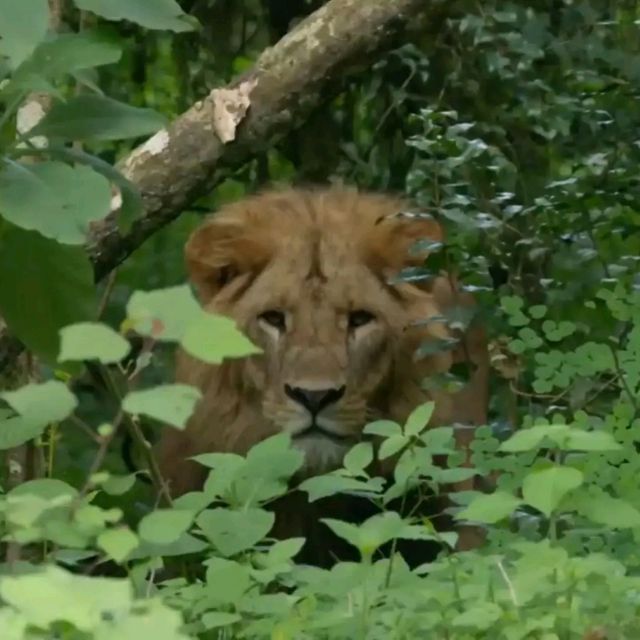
(316, 430)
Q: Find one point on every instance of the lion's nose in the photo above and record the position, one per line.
(314, 400)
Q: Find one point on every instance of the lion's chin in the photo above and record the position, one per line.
(321, 454)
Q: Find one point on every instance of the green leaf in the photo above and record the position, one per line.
(152, 620)
(165, 526)
(439, 440)
(186, 544)
(17, 430)
(212, 338)
(131, 198)
(54, 595)
(118, 485)
(358, 458)
(283, 551)
(54, 199)
(532, 437)
(170, 403)
(117, 543)
(46, 488)
(478, 617)
(391, 446)
(538, 311)
(64, 54)
(612, 512)
(419, 419)
(92, 341)
(162, 314)
(234, 531)
(160, 14)
(579, 440)
(227, 581)
(328, 485)
(216, 619)
(544, 489)
(372, 534)
(57, 281)
(45, 403)
(23, 25)
(93, 117)
(490, 508)
(383, 428)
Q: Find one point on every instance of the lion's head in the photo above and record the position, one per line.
(307, 275)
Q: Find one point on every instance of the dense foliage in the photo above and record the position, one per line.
(516, 124)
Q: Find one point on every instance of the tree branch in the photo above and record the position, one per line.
(288, 81)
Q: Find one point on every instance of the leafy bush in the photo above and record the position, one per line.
(517, 124)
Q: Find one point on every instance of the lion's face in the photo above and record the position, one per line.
(305, 275)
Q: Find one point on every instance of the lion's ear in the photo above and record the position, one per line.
(221, 250)
(400, 241)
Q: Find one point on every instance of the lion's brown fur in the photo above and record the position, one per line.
(318, 254)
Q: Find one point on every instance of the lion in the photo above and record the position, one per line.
(308, 276)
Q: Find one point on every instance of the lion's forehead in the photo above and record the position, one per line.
(336, 287)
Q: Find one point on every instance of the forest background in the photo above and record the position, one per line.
(515, 123)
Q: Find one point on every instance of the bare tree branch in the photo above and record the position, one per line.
(288, 81)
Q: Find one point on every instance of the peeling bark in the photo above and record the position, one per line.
(288, 81)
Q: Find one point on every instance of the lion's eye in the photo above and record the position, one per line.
(359, 318)
(274, 318)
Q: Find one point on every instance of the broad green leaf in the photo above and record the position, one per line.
(383, 428)
(131, 198)
(545, 488)
(609, 511)
(215, 619)
(54, 199)
(419, 419)
(227, 581)
(46, 488)
(532, 437)
(154, 619)
(186, 544)
(579, 440)
(65, 53)
(162, 314)
(54, 595)
(392, 445)
(372, 534)
(160, 14)
(358, 458)
(479, 617)
(490, 508)
(212, 338)
(328, 485)
(93, 117)
(92, 341)
(118, 485)
(165, 526)
(117, 543)
(45, 403)
(170, 403)
(267, 469)
(217, 460)
(13, 624)
(23, 25)
(438, 440)
(450, 476)
(283, 551)
(17, 430)
(234, 531)
(345, 530)
(56, 280)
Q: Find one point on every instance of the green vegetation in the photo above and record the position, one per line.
(517, 125)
